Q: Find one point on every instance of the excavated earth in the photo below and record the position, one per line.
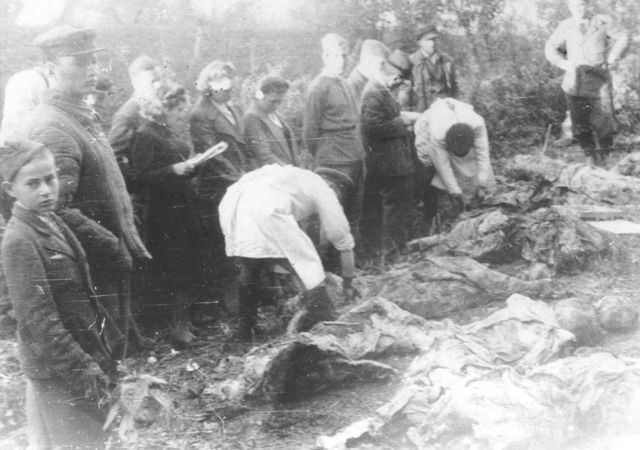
(203, 422)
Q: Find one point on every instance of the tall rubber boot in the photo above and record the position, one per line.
(248, 312)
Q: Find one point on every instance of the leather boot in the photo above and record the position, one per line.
(248, 312)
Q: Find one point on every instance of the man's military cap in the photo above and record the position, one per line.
(67, 41)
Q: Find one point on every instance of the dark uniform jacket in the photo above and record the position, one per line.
(61, 328)
(384, 134)
(270, 143)
(432, 79)
(93, 201)
(330, 122)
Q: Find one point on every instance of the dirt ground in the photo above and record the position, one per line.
(203, 423)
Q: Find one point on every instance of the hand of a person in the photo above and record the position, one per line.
(96, 382)
(567, 65)
(183, 168)
(350, 292)
(460, 200)
(409, 117)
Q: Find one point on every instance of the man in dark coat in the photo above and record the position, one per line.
(387, 142)
(434, 73)
(267, 133)
(93, 201)
(144, 73)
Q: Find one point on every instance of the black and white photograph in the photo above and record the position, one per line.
(320, 224)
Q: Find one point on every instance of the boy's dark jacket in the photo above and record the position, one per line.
(61, 328)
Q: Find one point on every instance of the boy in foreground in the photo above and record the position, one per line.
(61, 328)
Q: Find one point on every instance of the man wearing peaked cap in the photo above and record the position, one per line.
(93, 198)
(434, 74)
(67, 41)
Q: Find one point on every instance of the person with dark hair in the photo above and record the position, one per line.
(452, 142)
(145, 74)
(94, 201)
(434, 73)
(61, 327)
(386, 139)
(260, 216)
(331, 120)
(173, 231)
(586, 46)
(268, 135)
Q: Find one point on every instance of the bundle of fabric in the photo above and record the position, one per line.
(557, 237)
(329, 355)
(485, 237)
(586, 184)
(468, 389)
(629, 165)
(436, 286)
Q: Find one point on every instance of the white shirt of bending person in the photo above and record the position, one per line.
(454, 174)
(22, 94)
(259, 217)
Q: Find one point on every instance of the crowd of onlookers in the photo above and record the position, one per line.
(96, 216)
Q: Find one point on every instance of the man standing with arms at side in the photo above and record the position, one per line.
(331, 124)
(93, 199)
(434, 74)
(592, 45)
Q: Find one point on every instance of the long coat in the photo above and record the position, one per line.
(170, 220)
(270, 143)
(61, 327)
(93, 200)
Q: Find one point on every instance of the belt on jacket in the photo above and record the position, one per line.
(337, 130)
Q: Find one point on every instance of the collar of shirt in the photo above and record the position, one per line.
(274, 118)
(225, 110)
(434, 57)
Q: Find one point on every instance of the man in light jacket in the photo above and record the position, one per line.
(452, 142)
(586, 46)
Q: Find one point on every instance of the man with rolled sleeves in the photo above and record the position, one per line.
(93, 199)
(586, 46)
(331, 121)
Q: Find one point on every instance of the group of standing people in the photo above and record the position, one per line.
(89, 211)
